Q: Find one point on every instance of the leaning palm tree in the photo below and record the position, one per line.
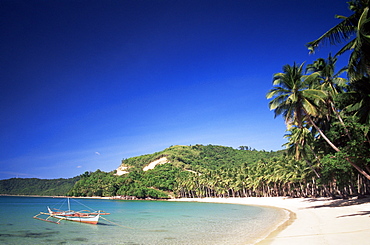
(356, 27)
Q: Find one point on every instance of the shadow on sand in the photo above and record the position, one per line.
(361, 213)
(331, 203)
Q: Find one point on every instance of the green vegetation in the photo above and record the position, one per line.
(186, 166)
(104, 184)
(328, 115)
(197, 156)
(33, 186)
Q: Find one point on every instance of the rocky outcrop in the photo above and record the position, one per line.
(124, 169)
(121, 170)
(152, 165)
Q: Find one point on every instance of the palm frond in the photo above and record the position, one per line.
(341, 71)
(276, 91)
(356, 65)
(335, 35)
(310, 79)
(350, 45)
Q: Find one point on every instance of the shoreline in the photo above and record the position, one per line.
(319, 221)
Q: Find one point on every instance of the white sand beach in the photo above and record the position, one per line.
(319, 221)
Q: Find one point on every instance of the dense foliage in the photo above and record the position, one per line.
(218, 171)
(185, 163)
(105, 184)
(197, 156)
(327, 113)
(33, 186)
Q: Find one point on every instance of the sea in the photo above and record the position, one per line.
(136, 222)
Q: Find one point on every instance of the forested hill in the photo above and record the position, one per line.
(168, 172)
(205, 171)
(34, 186)
(200, 157)
(178, 164)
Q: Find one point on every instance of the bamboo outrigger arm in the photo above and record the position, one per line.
(47, 219)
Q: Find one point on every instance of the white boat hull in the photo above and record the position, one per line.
(76, 217)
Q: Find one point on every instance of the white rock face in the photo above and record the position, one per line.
(151, 165)
(123, 170)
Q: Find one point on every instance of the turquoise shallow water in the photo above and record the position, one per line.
(135, 222)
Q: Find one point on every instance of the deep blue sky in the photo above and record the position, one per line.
(85, 84)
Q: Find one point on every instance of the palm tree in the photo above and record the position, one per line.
(300, 145)
(299, 142)
(360, 100)
(292, 96)
(331, 83)
(359, 64)
(355, 25)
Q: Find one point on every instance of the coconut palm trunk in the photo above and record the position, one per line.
(360, 170)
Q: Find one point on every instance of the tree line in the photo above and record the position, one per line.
(34, 186)
(263, 174)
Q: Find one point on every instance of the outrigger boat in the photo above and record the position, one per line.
(84, 216)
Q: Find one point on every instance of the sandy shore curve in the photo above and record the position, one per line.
(319, 221)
